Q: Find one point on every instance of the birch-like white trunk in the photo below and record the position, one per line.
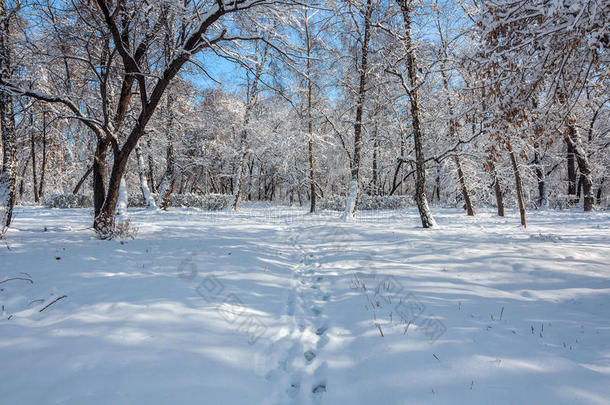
(121, 205)
(148, 198)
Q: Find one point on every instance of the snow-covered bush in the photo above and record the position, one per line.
(367, 202)
(124, 229)
(211, 202)
(137, 200)
(68, 201)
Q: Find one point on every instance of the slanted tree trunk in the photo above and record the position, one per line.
(425, 214)
(465, 193)
(350, 203)
(518, 183)
(82, 180)
(8, 177)
(575, 142)
(150, 201)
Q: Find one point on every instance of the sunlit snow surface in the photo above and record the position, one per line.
(272, 305)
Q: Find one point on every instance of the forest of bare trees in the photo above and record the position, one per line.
(454, 103)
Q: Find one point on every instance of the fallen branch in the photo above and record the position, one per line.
(53, 302)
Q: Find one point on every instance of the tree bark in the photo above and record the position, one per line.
(427, 219)
(571, 173)
(375, 179)
(575, 142)
(82, 180)
(22, 176)
(312, 181)
(542, 195)
(43, 167)
(150, 201)
(350, 203)
(497, 187)
(151, 167)
(33, 147)
(465, 194)
(121, 206)
(167, 185)
(99, 176)
(518, 183)
(599, 191)
(8, 177)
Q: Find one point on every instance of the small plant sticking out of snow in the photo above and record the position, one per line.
(124, 229)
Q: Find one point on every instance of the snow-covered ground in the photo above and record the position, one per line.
(271, 305)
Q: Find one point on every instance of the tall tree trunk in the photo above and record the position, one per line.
(43, 167)
(497, 187)
(167, 185)
(427, 219)
(121, 206)
(518, 183)
(33, 147)
(350, 203)
(542, 195)
(375, 179)
(151, 167)
(243, 138)
(148, 199)
(453, 135)
(312, 180)
(574, 140)
(437, 183)
(22, 176)
(99, 176)
(250, 178)
(571, 173)
(8, 177)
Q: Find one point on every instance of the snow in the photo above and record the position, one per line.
(273, 305)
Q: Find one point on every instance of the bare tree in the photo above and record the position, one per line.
(350, 204)
(412, 89)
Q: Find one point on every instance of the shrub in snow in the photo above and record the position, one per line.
(367, 202)
(124, 229)
(137, 200)
(68, 201)
(211, 202)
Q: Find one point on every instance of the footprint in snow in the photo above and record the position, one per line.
(309, 355)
